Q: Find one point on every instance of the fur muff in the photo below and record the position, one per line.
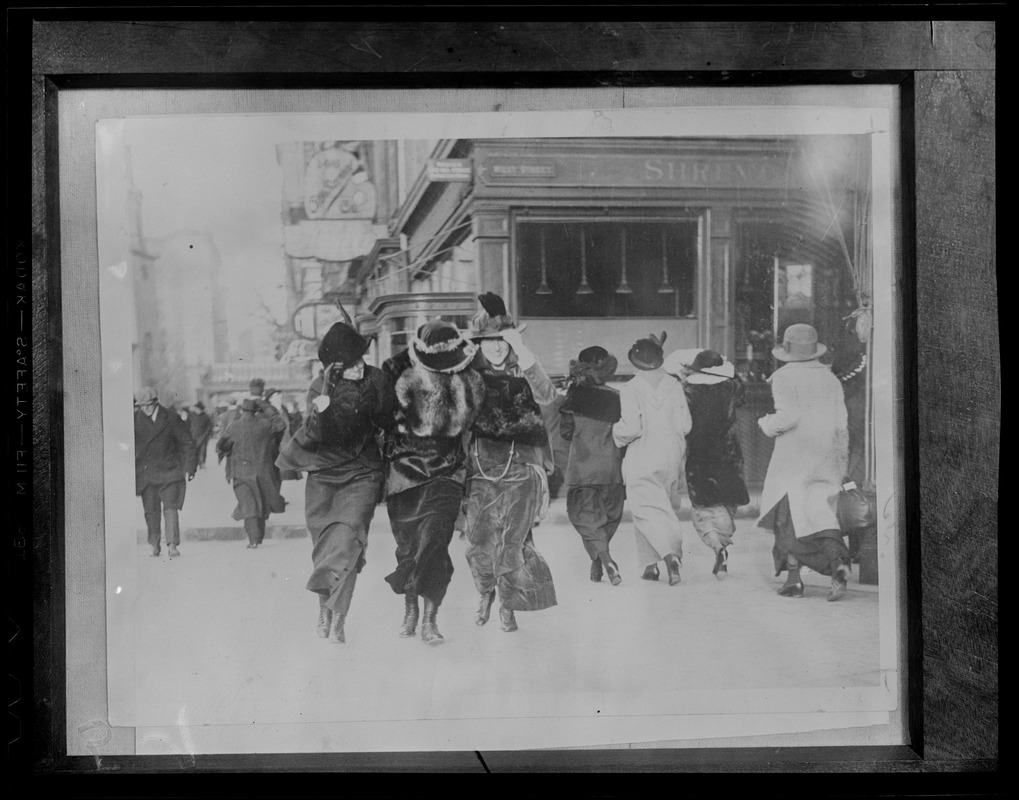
(510, 413)
(436, 404)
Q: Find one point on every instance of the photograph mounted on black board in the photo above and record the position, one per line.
(333, 310)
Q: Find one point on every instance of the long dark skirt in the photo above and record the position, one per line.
(422, 518)
(595, 512)
(821, 551)
(500, 515)
(339, 506)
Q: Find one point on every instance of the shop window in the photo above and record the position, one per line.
(607, 269)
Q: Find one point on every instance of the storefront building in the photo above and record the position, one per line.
(719, 243)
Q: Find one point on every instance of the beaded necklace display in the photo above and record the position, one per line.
(855, 370)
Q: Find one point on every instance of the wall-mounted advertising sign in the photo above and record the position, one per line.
(450, 170)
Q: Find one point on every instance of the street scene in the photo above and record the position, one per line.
(403, 426)
(252, 653)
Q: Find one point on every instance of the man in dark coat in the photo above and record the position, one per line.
(594, 477)
(252, 443)
(200, 424)
(714, 461)
(164, 461)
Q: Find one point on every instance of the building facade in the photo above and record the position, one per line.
(719, 243)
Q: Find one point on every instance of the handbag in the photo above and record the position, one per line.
(857, 508)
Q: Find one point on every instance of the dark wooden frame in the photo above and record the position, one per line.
(945, 69)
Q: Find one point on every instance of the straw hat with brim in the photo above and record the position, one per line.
(799, 344)
(145, 396)
(439, 347)
(342, 345)
(647, 353)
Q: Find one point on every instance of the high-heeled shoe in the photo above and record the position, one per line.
(839, 582)
(721, 570)
(612, 570)
(794, 589)
(484, 608)
(508, 619)
(650, 573)
(596, 570)
(672, 564)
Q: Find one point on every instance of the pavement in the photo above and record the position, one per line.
(229, 633)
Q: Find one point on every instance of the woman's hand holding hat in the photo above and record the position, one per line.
(525, 358)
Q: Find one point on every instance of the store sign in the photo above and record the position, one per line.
(636, 170)
(450, 170)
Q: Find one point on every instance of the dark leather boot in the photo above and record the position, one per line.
(793, 586)
(596, 570)
(410, 616)
(508, 619)
(325, 621)
(485, 608)
(429, 631)
(672, 564)
(336, 629)
(650, 573)
(612, 570)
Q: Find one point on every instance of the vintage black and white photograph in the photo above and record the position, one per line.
(510, 430)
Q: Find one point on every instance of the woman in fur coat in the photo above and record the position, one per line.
(801, 488)
(714, 460)
(594, 499)
(350, 404)
(509, 461)
(653, 426)
(438, 396)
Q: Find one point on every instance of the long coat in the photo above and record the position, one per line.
(252, 443)
(163, 450)
(653, 427)
(714, 460)
(811, 445)
(588, 414)
(200, 424)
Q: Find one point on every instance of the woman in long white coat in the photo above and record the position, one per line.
(653, 424)
(807, 466)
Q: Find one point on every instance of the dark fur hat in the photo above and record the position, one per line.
(342, 345)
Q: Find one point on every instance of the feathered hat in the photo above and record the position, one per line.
(492, 320)
(647, 353)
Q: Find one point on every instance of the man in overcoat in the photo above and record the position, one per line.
(200, 425)
(252, 443)
(164, 461)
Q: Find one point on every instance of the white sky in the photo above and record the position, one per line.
(195, 173)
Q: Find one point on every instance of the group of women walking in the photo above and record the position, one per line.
(457, 427)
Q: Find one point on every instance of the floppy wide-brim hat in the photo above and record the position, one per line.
(439, 346)
(799, 344)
